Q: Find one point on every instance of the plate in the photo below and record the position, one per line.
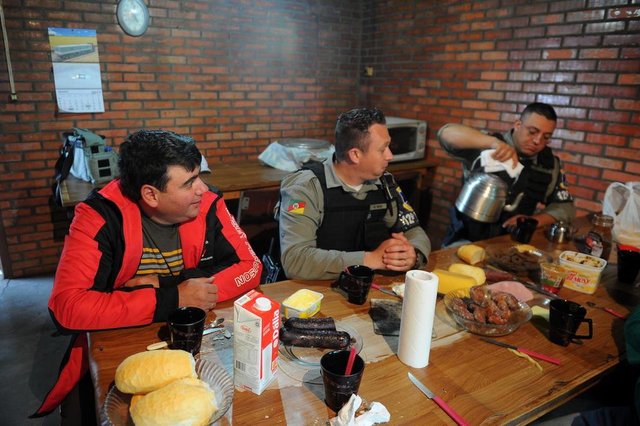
(518, 317)
(508, 257)
(310, 357)
(116, 404)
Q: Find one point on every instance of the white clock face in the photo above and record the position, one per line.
(133, 17)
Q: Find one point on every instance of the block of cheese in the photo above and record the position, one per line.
(471, 253)
(449, 281)
(147, 371)
(473, 271)
(524, 248)
(182, 402)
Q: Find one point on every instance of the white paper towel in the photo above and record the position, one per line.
(416, 323)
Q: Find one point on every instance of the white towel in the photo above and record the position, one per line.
(492, 165)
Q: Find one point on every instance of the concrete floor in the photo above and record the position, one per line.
(30, 355)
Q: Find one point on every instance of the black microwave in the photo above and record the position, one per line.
(408, 138)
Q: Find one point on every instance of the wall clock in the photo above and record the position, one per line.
(133, 17)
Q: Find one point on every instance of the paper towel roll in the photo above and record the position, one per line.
(416, 323)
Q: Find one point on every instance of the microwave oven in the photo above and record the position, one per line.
(408, 138)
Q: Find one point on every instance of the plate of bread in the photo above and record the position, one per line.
(167, 387)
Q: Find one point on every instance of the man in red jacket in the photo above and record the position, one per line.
(154, 240)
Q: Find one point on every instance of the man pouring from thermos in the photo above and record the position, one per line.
(529, 173)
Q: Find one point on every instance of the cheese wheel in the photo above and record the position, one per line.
(449, 281)
(473, 271)
(145, 372)
(471, 253)
(182, 402)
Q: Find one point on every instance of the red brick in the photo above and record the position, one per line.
(632, 79)
(615, 176)
(606, 139)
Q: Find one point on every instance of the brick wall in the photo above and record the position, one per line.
(235, 75)
(238, 75)
(480, 63)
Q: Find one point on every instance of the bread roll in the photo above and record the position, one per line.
(472, 271)
(185, 402)
(471, 253)
(145, 372)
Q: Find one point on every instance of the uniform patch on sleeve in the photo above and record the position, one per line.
(296, 207)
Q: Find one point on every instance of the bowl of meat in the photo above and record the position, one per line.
(481, 310)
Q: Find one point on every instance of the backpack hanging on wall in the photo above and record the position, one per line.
(85, 156)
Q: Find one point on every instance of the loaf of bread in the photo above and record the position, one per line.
(147, 371)
(471, 253)
(188, 402)
(473, 271)
(449, 281)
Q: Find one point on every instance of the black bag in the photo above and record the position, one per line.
(62, 168)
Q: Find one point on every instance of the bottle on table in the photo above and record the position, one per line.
(598, 240)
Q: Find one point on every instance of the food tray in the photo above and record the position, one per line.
(507, 256)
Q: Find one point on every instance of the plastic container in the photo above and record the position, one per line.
(583, 271)
(303, 303)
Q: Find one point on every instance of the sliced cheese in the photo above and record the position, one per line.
(471, 253)
(473, 271)
(449, 281)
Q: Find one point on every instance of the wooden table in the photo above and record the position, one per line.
(234, 178)
(482, 382)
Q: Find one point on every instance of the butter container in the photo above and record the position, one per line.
(303, 303)
(583, 271)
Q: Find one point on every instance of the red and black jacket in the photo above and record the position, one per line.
(103, 251)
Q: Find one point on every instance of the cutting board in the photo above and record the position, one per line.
(386, 314)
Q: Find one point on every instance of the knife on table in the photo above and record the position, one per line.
(455, 416)
(531, 353)
(384, 290)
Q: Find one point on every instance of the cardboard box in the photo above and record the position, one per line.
(256, 339)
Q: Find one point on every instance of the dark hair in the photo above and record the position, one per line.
(146, 154)
(352, 129)
(545, 110)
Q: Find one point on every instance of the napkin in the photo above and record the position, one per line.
(492, 165)
(377, 413)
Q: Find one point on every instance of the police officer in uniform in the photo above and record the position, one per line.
(542, 180)
(349, 211)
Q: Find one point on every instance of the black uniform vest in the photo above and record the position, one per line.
(349, 224)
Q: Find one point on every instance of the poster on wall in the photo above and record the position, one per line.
(76, 70)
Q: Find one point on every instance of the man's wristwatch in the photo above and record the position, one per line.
(420, 260)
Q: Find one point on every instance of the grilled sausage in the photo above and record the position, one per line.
(330, 339)
(310, 323)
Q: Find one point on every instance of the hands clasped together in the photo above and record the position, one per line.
(393, 254)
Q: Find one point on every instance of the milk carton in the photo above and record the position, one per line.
(256, 327)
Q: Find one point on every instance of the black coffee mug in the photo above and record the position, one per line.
(524, 229)
(565, 318)
(186, 326)
(356, 281)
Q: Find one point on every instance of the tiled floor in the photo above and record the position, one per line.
(30, 356)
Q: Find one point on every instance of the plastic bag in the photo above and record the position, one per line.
(622, 202)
